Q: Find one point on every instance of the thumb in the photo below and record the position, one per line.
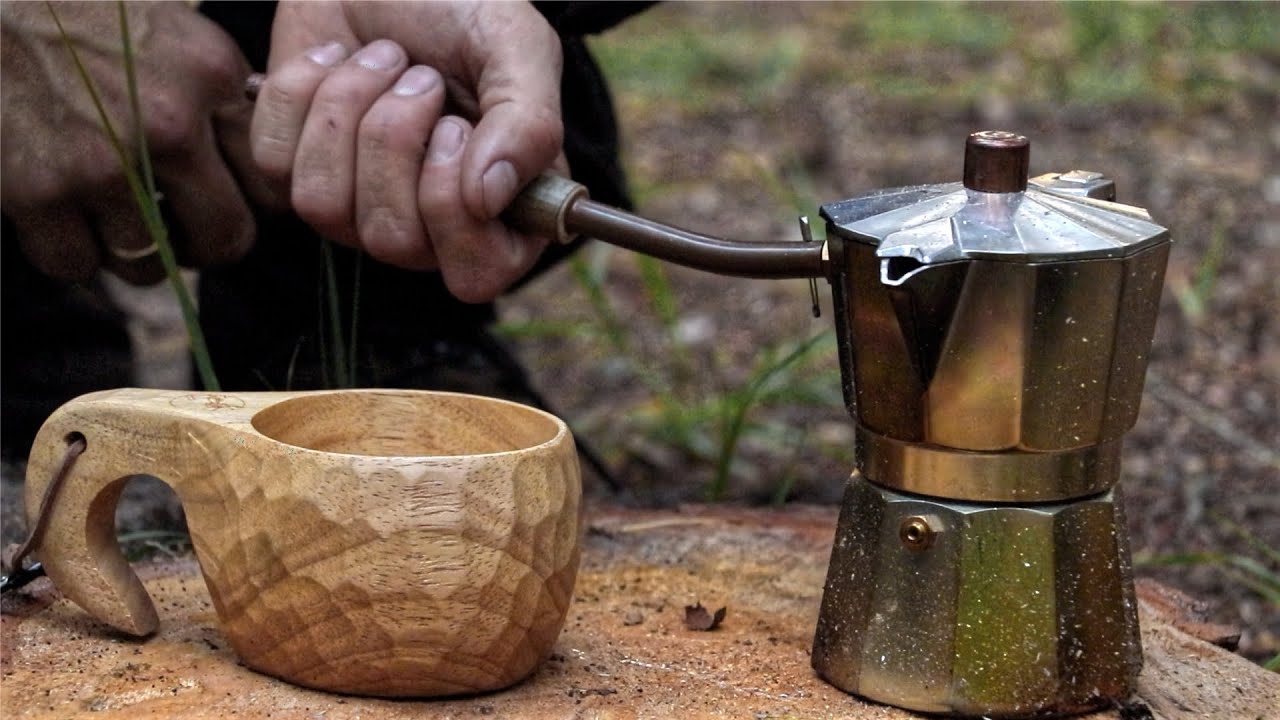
(519, 133)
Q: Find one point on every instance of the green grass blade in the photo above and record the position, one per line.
(600, 304)
(1239, 531)
(143, 191)
(156, 227)
(355, 315)
(337, 345)
(1245, 570)
(658, 289)
(738, 404)
(322, 335)
(135, 104)
(1195, 298)
(662, 299)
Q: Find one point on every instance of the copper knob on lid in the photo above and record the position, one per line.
(996, 161)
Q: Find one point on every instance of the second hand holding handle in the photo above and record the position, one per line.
(558, 208)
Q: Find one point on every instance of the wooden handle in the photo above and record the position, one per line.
(127, 432)
(381, 542)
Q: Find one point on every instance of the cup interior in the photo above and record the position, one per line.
(405, 423)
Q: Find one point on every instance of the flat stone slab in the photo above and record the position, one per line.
(625, 651)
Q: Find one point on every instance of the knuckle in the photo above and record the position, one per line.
(218, 60)
(387, 134)
(38, 187)
(273, 155)
(314, 202)
(293, 85)
(474, 276)
(171, 124)
(378, 134)
(386, 235)
(413, 257)
(98, 167)
(336, 100)
(273, 140)
(438, 201)
(547, 128)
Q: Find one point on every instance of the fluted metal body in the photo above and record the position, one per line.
(994, 338)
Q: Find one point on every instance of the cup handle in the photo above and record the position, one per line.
(169, 435)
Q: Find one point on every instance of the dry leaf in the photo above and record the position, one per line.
(696, 617)
(1186, 613)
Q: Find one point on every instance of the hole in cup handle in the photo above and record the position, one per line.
(127, 432)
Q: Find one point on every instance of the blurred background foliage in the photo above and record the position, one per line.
(1075, 54)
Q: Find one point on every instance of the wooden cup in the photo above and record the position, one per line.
(375, 542)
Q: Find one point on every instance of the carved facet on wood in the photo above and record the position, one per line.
(400, 543)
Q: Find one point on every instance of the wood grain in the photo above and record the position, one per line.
(397, 543)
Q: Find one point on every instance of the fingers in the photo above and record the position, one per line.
(503, 64)
(209, 223)
(126, 245)
(478, 258)
(64, 183)
(348, 140)
(323, 166)
(359, 146)
(211, 219)
(71, 235)
(390, 152)
(282, 106)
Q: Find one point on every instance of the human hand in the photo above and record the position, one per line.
(63, 186)
(365, 147)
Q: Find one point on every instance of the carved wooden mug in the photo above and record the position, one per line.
(376, 542)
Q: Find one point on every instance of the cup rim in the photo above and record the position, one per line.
(561, 427)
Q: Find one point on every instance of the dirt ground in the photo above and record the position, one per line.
(796, 105)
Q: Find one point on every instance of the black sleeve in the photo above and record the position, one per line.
(588, 17)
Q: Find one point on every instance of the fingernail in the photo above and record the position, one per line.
(499, 185)
(416, 81)
(379, 55)
(327, 55)
(446, 141)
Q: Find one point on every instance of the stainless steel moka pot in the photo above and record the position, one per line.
(996, 332)
(993, 338)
